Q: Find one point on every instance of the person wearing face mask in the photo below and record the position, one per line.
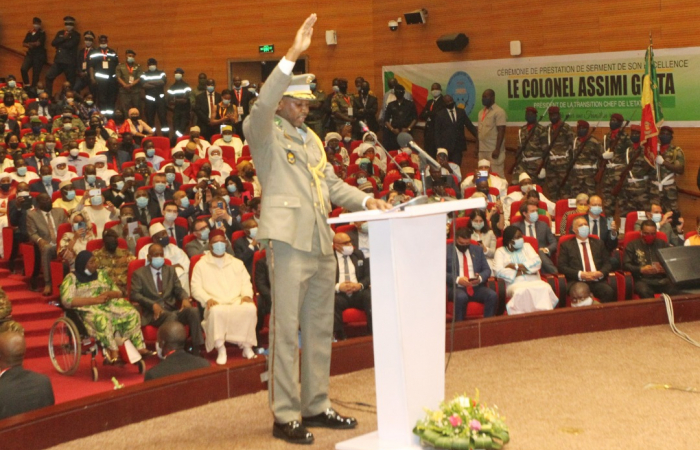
(75, 241)
(663, 223)
(333, 147)
(171, 349)
(48, 184)
(153, 81)
(606, 230)
(483, 169)
(518, 265)
(428, 115)
(194, 147)
(225, 113)
(582, 176)
(18, 94)
(229, 139)
(215, 157)
(129, 78)
(152, 157)
(221, 282)
(450, 123)
(160, 192)
(244, 248)
(177, 256)
(68, 200)
(73, 160)
(341, 105)
(63, 109)
(98, 212)
(15, 109)
(83, 64)
(103, 65)
(113, 259)
(38, 133)
(89, 179)
(200, 245)
(22, 174)
(317, 113)
(247, 173)
(66, 43)
(86, 109)
(67, 131)
(137, 127)
(179, 101)
(34, 42)
(581, 208)
(365, 106)
(390, 96)
(670, 162)
(171, 181)
(580, 295)
(642, 259)
(492, 132)
(205, 109)
(400, 117)
(352, 288)
(560, 154)
(43, 108)
(240, 100)
(634, 195)
(615, 144)
(127, 215)
(117, 194)
(531, 226)
(42, 229)
(179, 164)
(170, 215)
(587, 260)
(533, 136)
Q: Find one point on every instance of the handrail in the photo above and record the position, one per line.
(18, 53)
(687, 192)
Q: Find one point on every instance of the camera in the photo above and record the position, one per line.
(393, 25)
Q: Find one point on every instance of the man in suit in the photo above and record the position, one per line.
(352, 283)
(200, 229)
(17, 216)
(40, 158)
(469, 282)
(240, 98)
(66, 43)
(170, 179)
(205, 108)
(287, 155)
(437, 176)
(115, 154)
(587, 260)
(221, 217)
(89, 179)
(157, 289)
(642, 259)
(21, 390)
(599, 227)
(171, 348)
(449, 130)
(365, 107)
(118, 194)
(170, 213)
(531, 226)
(432, 107)
(47, 185)
(42, 228)
(160, 192)
(147, 208)
(244, 248)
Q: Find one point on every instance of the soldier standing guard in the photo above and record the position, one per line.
(615, 145)
(299, 187)
(533, 136)
(586, 164)
(154, 81)
(634, 195)
(103, 64)
(559, 156)
(129, 79)
(670, 162)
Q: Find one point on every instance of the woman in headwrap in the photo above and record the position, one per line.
(518, 264)
(75, 241)
(371, 138)
(101, 306)
(137, 127)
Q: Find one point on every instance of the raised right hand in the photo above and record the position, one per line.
(302, 40)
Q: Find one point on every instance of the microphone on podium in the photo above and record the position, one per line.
(406, 140)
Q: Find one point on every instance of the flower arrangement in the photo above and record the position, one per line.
(463, 424)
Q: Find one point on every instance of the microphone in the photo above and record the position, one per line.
(363, 126)
(406, 140)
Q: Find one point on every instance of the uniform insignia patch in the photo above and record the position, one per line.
(291, 159)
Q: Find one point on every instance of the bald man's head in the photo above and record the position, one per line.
(172, 336)
(12, 349)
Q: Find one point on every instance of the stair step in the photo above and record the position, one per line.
(37, 346)
(24, 313)
(24, 297)
(9, 284)
(38, 327)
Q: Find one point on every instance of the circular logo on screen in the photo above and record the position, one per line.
(461, 88)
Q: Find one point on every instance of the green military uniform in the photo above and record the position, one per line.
(129, 98)
(582, 177)
(19, 93)
(77, 123)
(614, 168)
(115, 265)
(634, 195)
(341, 102)
(65, 136)
(559, 159)
(664, 189)
(6, 322)
(316, 116)
(535, 146)
(299, 186)
(193, 95)
(30, 138)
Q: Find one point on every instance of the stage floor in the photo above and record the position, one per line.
(584, 391)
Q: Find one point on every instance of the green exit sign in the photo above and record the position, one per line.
(266, 49)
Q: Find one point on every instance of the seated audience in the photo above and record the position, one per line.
(215, 156)
(22, 174)
(90, 144)
(581, 208)
(484, 165)
(580, 294)
(221, 218)
(663, 224)
(97, 212)
(75, 241)
(694, 239)
(531, 226)
(480, 231)
(170, 214)
(42, 228)
(89, 179)
(149, 148)
(101, 306)
(360, 238)
(171, 179)
(115, 154)
(118, 193)
(21, 390)
(68, 200)
(352, 289)
(47, 185)
(61, 171)
(101, 169)
(171, 348)
(244, 248)
(114, 260)
(147, 207)
(235, 188)
(127, 215)
(518, 265)
(229, 139)
(247, 173)
(642, 259)
(449, 168)
(526, 185)
(178, 258)
(587, 260)
(468, 283)
(222, 284)
(333, 148)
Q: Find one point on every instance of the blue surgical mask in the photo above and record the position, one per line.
(227, 199)
(596, 210)
(91, 179)
(170, 216)
(584, 231)
(533, 216)
(204, 234)
(157, 262)
(184, 202)
(142, 202)
(46, 179)
(70, 195)
(120, 185)
(130, 60)
(96, 200)
(79, 225)
(21, 171)
(518, 243)
(150, 152)
(478, 225)
(218, 248)
(170, 177)
(179, 161)
(159, 187)
(227, 137)
(231, 188)
(210, 88)
(656, 217)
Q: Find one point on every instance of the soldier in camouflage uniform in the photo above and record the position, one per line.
(560, 155)
(68, 132)
(634, 195)
(6, 322)
(77, 122)
(582, 177)
(114, 260)
(535, 146)
(669, 163)
(341, 105)
(12, 88)
(614, 162)
(317, 113)
(129, 79)
(37, 135)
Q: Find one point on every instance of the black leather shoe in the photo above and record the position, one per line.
(292, 432)
(330, 419)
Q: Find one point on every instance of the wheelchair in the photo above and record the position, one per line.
(69, 340)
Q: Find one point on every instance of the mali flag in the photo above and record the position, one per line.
(652, 117)
(419, 93)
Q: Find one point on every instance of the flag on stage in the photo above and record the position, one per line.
(652, 117)
(418, 92)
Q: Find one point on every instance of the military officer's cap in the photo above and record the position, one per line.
(617, 117)
(666, 128)
(583, 124)
(36, 20)
(69, 20)
(553, 110)
(89, 34)
(179, 70)
(130, 52)
(531, 109)
(300, 87)
(152, 61)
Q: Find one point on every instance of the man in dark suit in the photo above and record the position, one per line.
(20, 390)
(264, 290)
(449, 130)
(39, 159)
(200, 229)
(170, 214)
(221, 217)
(587, 260)
(160, 192)
(171, 347)
(469, 282)
(42, 228)
(44, 108)
(244, 248)
(157, 289)
(352, 289)
(115, 154)
(642, 259)
(47, 184)
(599, 227)
(205, 108)
(118, 193)
(240, 98)
(432, 107)
(365, 107)
(531, 226)
(147, 209)
(170, 178)
(89, 179)
(17, 216)
(447, 181)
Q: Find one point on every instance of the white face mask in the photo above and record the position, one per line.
(74, 152)
(253, 232)
(588, 301)
(178, 76)
(227, 137)
(347, 250)
(152, 68)
(436, 93)
(525, 189)
(361, 181)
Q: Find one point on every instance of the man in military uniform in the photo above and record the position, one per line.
(103, 64)
(432, 107)
(533, 137)
(642, 259)
(561, 138)
(129, 79)
(669, 162)
(179, 102)
(114, 260)
(634, 195)
(77, 123)
(153, 81)
(299, 186)
(582, 177)
(83, 69)
(66, 43)
(199, 89)
(615, 145)
(68, 132)
(11, 88)
(38, 134)
(341, 105)
(317, 113)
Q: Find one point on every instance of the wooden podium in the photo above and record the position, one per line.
(408, 262)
